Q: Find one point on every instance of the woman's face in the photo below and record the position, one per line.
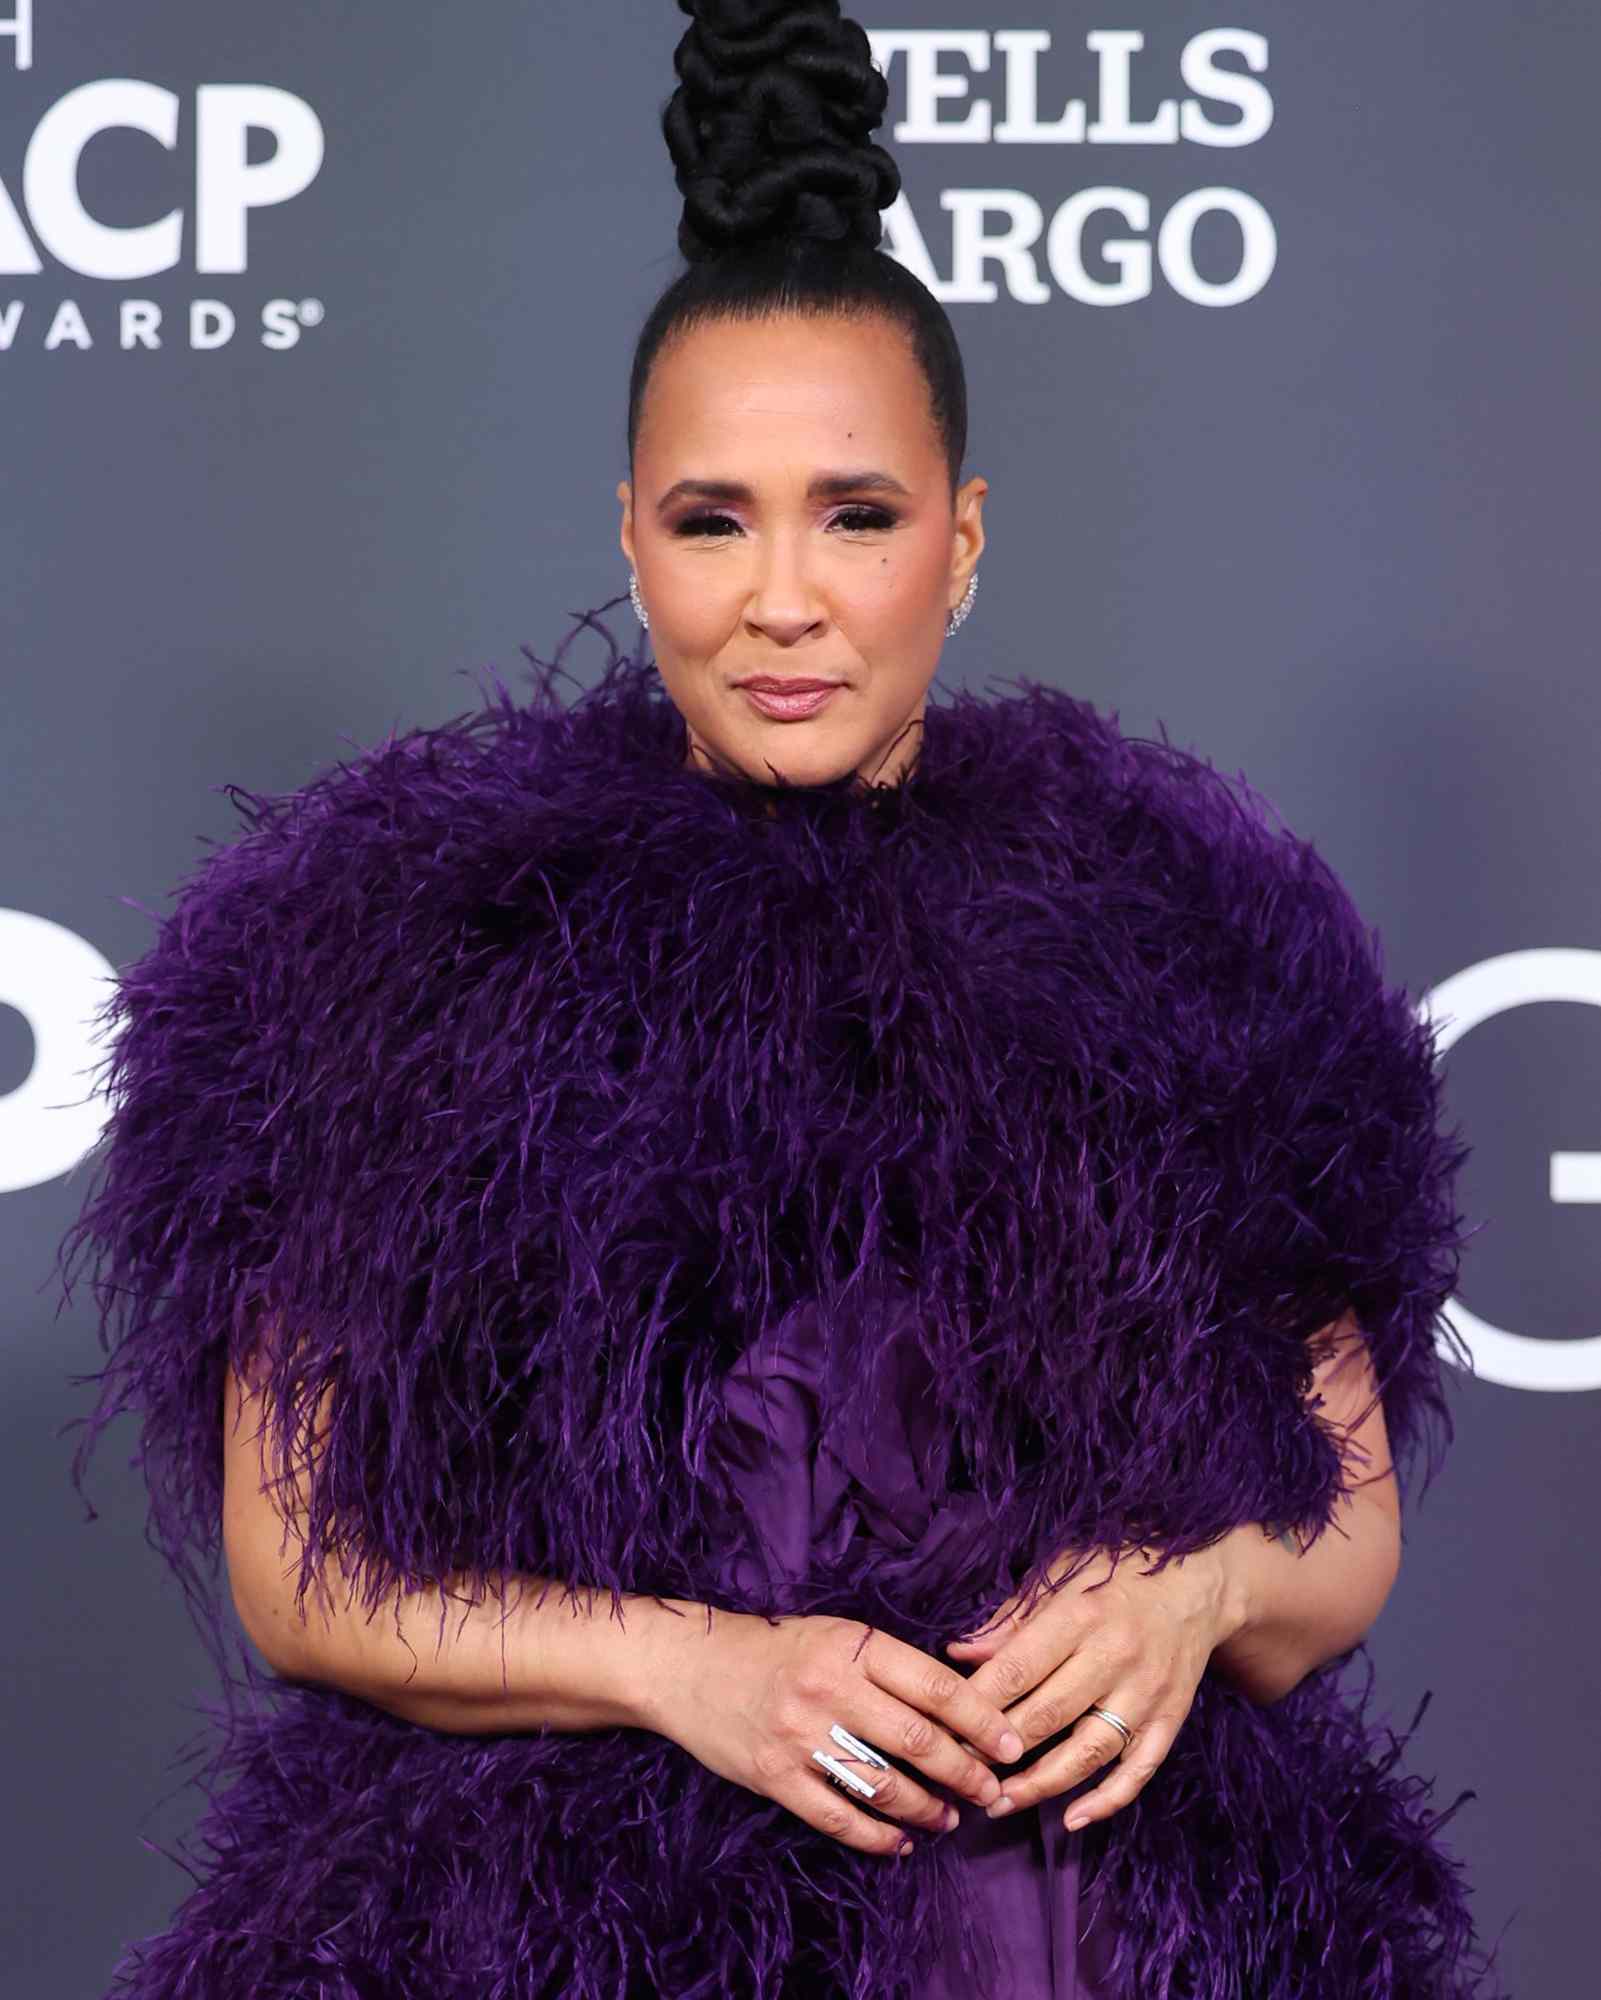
(790, 515)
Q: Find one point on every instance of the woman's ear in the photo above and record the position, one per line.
(969, 529)
(626, 534)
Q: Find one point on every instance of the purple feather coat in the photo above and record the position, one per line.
(526, 1074)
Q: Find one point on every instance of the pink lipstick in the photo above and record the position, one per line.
(789, 701)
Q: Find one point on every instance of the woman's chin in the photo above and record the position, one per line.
(774, 758)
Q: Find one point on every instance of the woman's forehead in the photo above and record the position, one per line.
(851, 384)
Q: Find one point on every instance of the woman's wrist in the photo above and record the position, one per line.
(1292, 1609)
(677, 1635)
(598, 1667)
(1220, 1578)
(1237, 1607)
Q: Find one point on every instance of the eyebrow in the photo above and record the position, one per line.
(826, 486)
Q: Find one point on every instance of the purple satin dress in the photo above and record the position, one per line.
(808, 1489)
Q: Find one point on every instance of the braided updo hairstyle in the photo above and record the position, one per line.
(770, 136)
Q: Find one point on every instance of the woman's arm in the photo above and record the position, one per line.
(507, 1663)
(1288, 1612)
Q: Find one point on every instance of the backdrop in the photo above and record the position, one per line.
(314, 331)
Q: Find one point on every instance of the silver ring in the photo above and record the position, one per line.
(862, 1752)
(1117, 1723)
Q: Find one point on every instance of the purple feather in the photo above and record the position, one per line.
(522, 1075)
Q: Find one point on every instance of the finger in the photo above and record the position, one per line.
(1089, 1747)
(896, 1793)
(1021, 1666)
(967, 1649)
(1048, 1679)
(992, 1632)
(901, 1729)
(823, 1805)
(972, 1748)
(1132, 1773)
(931, 1688)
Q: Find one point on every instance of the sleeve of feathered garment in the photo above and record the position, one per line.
(1314, 1103)
(281, 1068)
(1307, 1167)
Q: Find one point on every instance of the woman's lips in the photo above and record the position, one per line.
(789, 707)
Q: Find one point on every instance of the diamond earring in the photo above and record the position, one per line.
(639, 603)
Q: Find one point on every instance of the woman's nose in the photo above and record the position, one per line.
(784, 603)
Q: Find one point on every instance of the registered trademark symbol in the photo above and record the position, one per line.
(311, 312)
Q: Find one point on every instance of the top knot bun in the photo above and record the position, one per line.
(769, 126)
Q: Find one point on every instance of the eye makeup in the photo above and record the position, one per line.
(866, 520)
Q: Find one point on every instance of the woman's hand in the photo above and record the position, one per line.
(1137, 1645)
(753, 1700)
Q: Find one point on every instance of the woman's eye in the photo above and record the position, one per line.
(856, 519)
(701, 524)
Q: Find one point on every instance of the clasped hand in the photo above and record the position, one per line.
(1132, 1642)
(756, 1703)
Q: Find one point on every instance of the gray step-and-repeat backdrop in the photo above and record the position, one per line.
(1282, 326)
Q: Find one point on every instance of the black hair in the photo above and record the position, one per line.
(769, 133)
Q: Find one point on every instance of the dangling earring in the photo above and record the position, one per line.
(639, 602)
(964, 607)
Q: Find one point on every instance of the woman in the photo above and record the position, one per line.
(826, 1172)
